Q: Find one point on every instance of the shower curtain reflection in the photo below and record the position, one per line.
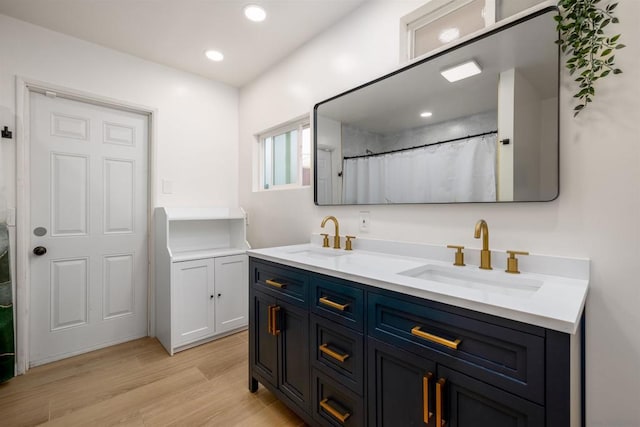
(460, 171)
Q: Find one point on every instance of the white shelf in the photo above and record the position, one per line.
(199, 253)
(205, 253)
(195, 214)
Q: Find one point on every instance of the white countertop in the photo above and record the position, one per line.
(557, 304)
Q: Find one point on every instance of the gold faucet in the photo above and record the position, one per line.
(485, 253)
(336, 238)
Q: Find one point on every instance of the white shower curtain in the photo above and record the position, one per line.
(460, 171)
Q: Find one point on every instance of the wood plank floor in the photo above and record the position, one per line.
(139, 384)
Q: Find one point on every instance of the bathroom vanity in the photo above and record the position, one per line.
(393, 334)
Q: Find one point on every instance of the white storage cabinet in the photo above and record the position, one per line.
(200, 275)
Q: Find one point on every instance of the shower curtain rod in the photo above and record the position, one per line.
(421, 146)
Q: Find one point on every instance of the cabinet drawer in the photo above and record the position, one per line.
(338, 301)
(289, 284)
(334, 405)
(339, 352)
(510, 359)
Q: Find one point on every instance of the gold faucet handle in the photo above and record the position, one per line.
(459, 261)
(347, 244)
(325, 241)
(512, 261)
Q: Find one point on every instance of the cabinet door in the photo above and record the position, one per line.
(401, 390)
(263, 348)
(192, 300)
(466, 402)
(294, 377)
(231, 292)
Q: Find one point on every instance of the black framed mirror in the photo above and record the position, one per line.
(413, 136)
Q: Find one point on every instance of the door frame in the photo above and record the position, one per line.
(24, 87)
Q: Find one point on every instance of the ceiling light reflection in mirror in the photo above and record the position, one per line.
(462, 71)
(214, 55)
(255, 13)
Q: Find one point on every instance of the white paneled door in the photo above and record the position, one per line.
(88, 260)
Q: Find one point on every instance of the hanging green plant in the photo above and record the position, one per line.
(590, 53)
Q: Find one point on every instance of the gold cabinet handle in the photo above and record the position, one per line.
(440, 422)
(326, 301)
(275, 284)
(436, 339)
(270, 319)
(339, 357)
(274, 320)
(334, 412)
(425, 397)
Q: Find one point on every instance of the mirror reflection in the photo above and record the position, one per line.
(475, 123)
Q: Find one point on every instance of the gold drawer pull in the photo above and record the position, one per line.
(436, 339)
(339, 357)
(326, 301)
(275, 284)
(440, 422)
(335, 413)
(425, 398)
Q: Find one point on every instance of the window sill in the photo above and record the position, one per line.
(283, 188)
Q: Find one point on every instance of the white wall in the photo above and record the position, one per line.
(597, 214)
(526, 140)
(197, 118)
(506, 125)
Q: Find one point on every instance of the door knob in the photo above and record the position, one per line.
(39, 250)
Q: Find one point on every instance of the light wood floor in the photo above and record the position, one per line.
(139, 384)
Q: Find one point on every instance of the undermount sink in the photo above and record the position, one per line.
(483, 280)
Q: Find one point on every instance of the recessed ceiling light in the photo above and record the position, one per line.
(255, 13)
(426, 114)
(462, 71)
(449, 35)
(214, 55)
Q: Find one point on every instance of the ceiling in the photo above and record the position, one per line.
(177, 32)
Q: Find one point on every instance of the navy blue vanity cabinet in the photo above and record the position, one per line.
(463, 401)
(476, 370)
(279, 339)
(341, 353)
(400, 387)
(333, 404)
(337, 352)
(408, 390)
(502, 353)
(338, 300)
(264, 344)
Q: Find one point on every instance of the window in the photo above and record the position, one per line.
(445, 24)
(440, 22)
(285, 156)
